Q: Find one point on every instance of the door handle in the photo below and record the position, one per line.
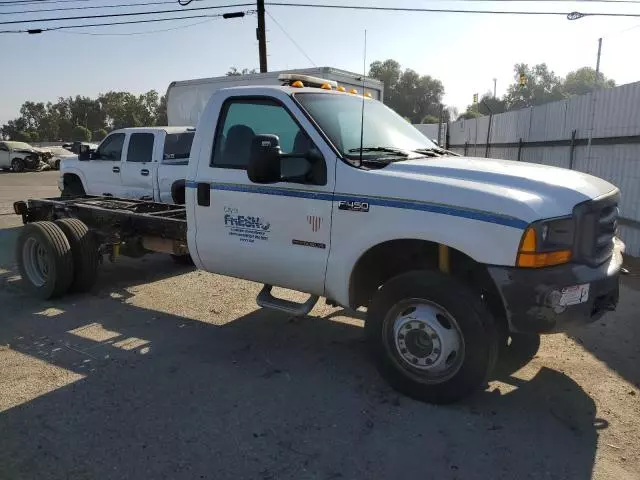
(204, 194)
(144, 172)
(116, 169)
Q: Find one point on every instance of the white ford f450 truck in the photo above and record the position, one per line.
(333, 194)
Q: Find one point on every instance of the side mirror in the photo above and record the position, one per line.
(264, 159)
(84, 155)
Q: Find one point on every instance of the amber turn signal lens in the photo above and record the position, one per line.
(528, 243)
(297, 84)
(537, 260)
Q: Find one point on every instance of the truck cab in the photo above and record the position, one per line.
(140, 163)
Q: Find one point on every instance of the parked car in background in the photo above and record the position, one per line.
(57, 155)
(148, 163)
(20, 156)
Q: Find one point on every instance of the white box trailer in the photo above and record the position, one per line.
(186, 99)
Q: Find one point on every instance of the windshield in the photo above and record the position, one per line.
(16, 145)
(177, 146)
(339, 116)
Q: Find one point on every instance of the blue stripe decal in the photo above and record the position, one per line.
(479, 215)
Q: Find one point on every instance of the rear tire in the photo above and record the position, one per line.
(431, 337)
(17, 165)
(84, 249)
(44, 259)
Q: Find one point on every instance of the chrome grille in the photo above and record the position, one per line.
(597, 222)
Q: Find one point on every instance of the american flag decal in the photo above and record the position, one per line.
(315, 222)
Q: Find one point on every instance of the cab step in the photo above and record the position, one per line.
(266, 300)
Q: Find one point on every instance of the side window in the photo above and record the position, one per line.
(111, 147)
(243, 119)
(140, 147)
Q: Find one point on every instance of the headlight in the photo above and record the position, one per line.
(546, 243)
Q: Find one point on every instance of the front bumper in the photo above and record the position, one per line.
(552, 299)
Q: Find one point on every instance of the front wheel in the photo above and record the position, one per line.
(431, 336)
(17, 165)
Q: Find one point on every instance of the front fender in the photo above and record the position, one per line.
(73, 170)
(354, 233)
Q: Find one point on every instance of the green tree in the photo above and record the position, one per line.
(541, 86)
(98, 135)
(161, 112)
(584, 80)
(234, 72)
(430, 119)
(81, 134)
(411, 95)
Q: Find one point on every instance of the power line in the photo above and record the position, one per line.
(570, 16)
(59, 9)
(127, 14)
(13, 3)
(290, 38)
(146, 32)
(129, 22)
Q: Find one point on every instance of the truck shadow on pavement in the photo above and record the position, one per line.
(104, 389)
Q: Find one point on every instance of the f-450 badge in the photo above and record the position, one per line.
(353, 206)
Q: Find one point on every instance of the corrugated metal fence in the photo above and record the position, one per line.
(558, 134)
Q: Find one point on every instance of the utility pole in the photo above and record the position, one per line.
(261, 35)
(598, 60)
(494, 87)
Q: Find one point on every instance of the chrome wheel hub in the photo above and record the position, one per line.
(427, 338)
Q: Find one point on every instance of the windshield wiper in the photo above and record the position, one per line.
(435, 152)
(394, 151)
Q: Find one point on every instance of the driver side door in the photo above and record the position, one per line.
(102, 172)
(277, 234)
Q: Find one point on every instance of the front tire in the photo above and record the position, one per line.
(431, 337)
(84, 250)
(17, 165)
(44, 259)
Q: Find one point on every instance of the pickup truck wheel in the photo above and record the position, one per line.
(17, 165)
(431, 336)
(182, 259)
(84, 250)
(44, 259)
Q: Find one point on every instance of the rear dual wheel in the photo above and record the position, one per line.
(57, 257)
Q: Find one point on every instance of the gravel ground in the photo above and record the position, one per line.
(166, 372)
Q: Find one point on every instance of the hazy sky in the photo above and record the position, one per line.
(464, 51)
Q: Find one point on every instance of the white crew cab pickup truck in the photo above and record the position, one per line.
(449, 255)
(148, 163)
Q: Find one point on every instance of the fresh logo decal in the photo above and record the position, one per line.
(315, 222)
(247, 228)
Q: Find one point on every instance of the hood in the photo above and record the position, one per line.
(27, 150)
(68, 158)
(527, 191)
